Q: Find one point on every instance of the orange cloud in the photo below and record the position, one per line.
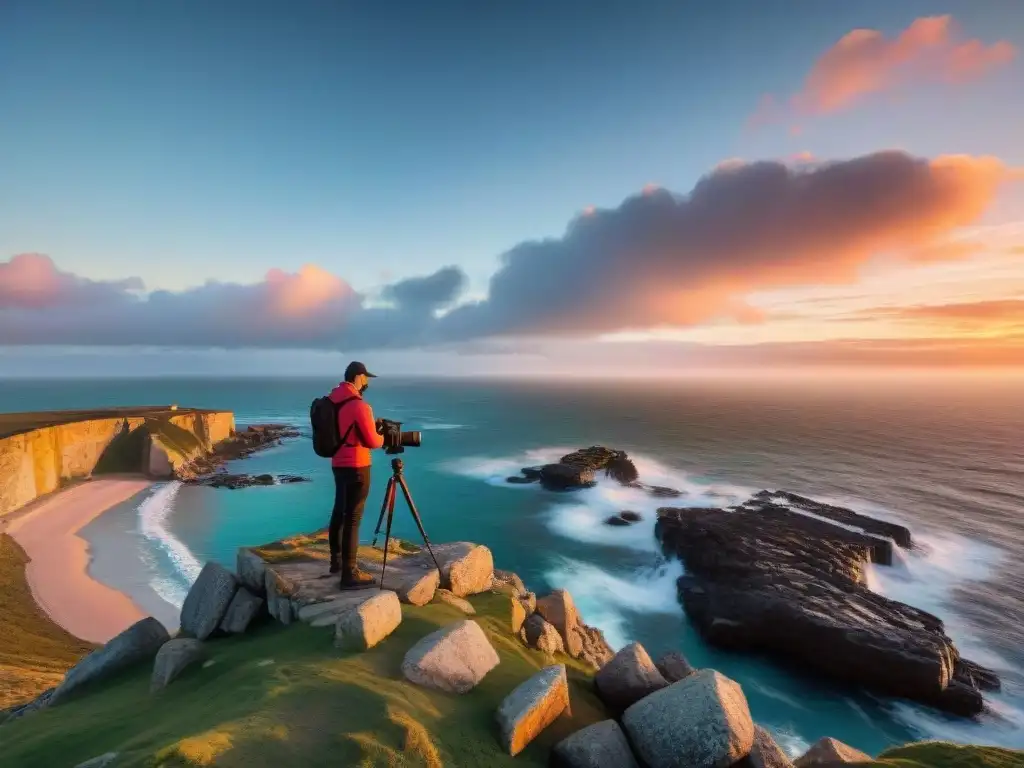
(865, 62)
(304, 293)
(32, 281)
(998, 311)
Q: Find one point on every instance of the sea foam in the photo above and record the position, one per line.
(153, 514)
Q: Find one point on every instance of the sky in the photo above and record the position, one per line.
(479, 188)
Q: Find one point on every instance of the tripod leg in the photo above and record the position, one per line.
(419, 522)
(389, 493)
(387, 535)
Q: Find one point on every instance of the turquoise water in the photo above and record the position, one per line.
(945, 459)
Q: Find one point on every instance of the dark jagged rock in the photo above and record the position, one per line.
(564, 477)
(764, 578)
(241, 444)
(898, 533)
(532, 473)
(663, 492)
(520, 480)
(624, 518)
(226, 480)
(579, 469)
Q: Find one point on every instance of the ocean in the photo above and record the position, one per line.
(943, 456)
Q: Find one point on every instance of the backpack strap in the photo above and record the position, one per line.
(337, 410)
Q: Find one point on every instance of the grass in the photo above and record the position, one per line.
(940, 754)
(313, 705)
(34, 652)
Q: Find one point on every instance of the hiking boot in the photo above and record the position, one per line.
(357, 579)
(335, 564)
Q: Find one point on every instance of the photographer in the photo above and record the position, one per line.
(351, 467)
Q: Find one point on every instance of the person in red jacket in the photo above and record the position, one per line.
(351, 468)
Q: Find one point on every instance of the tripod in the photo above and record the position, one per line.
(388, 507)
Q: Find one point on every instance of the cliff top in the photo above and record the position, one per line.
(19, 423)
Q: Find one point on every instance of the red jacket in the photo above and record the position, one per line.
(363, 437)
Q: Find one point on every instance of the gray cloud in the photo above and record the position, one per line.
(657, 259)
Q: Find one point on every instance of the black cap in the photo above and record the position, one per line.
(354, 369)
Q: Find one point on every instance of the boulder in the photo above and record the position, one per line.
(208, 600)
(529, 600)
(542, 635)
(532, 706)
(766, 753)
(601, 745)
(674, 666)
(828, 751)
(532, 473)
(139, 643)
(596, 651)
(244, 607)
(517, 612)
(559, 610)
(769, 579)
(627, 678)
(419, 590)
(453, 659)
(662, 492)
(615, 520)
(99, 762)
(702, 721)
(251, 568)
(467, 568)
(510, 579)
(445, 596)
(173, 658)
(363, 626)
(631, 517)
(279, 594)
(520, 480)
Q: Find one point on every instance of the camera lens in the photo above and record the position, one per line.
(410, 439)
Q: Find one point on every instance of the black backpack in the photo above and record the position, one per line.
(323, 417)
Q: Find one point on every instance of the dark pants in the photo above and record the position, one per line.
(351, 487)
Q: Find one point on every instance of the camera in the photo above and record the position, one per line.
(395, 440)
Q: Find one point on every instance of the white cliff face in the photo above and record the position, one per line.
(157, 462)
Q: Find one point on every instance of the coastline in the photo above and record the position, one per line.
(58, 573)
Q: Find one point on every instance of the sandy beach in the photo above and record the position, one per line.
(58, 574)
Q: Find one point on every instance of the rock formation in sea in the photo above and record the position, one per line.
(784, 575)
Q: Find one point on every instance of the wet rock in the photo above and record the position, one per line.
(663, 492)
(601, 745)
(616, 520)
(453, 659)
(828, 751)
(627, 678)
(700, 722)
(236, 481)
(542, 635)
(766, 579)
(139, 643)
(520, 480)
(243, 608)
(898, 533)
(564, 477)
(445, 596)
(674, 666)
(631, 517)
(363, 626)
(532, 473)
(173, 658)
(531, 707)
(208, 600)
